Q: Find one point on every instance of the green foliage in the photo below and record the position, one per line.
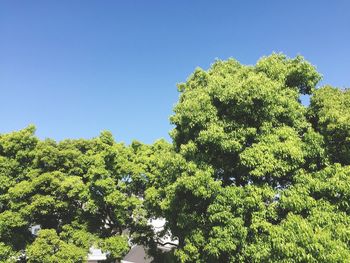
(7, 254)
(115, 246)
(252, 176)
(294, 73)
(48, 247)
(82, 193)
(223, 111)
(329, 113)
(264, 187)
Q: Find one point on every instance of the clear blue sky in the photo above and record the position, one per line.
(74, 68)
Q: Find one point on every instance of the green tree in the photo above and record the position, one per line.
(262, 178)
(82, 193)
(253, 175)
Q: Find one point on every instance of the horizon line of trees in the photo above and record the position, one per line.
(251, 175)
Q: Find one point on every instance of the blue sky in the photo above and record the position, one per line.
(75, 68)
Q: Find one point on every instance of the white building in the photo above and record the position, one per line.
(96, 255)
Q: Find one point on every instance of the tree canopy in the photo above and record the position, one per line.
(275, 182)
(253, 175)
(82, 193)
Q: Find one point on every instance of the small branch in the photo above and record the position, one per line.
(166, 243)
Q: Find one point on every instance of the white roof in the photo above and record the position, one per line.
(96, 254)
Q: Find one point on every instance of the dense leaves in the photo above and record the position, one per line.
(48, 247)
(229, 108)
(274, 180)
(81, 193)
(330, 115)
(253, 175)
